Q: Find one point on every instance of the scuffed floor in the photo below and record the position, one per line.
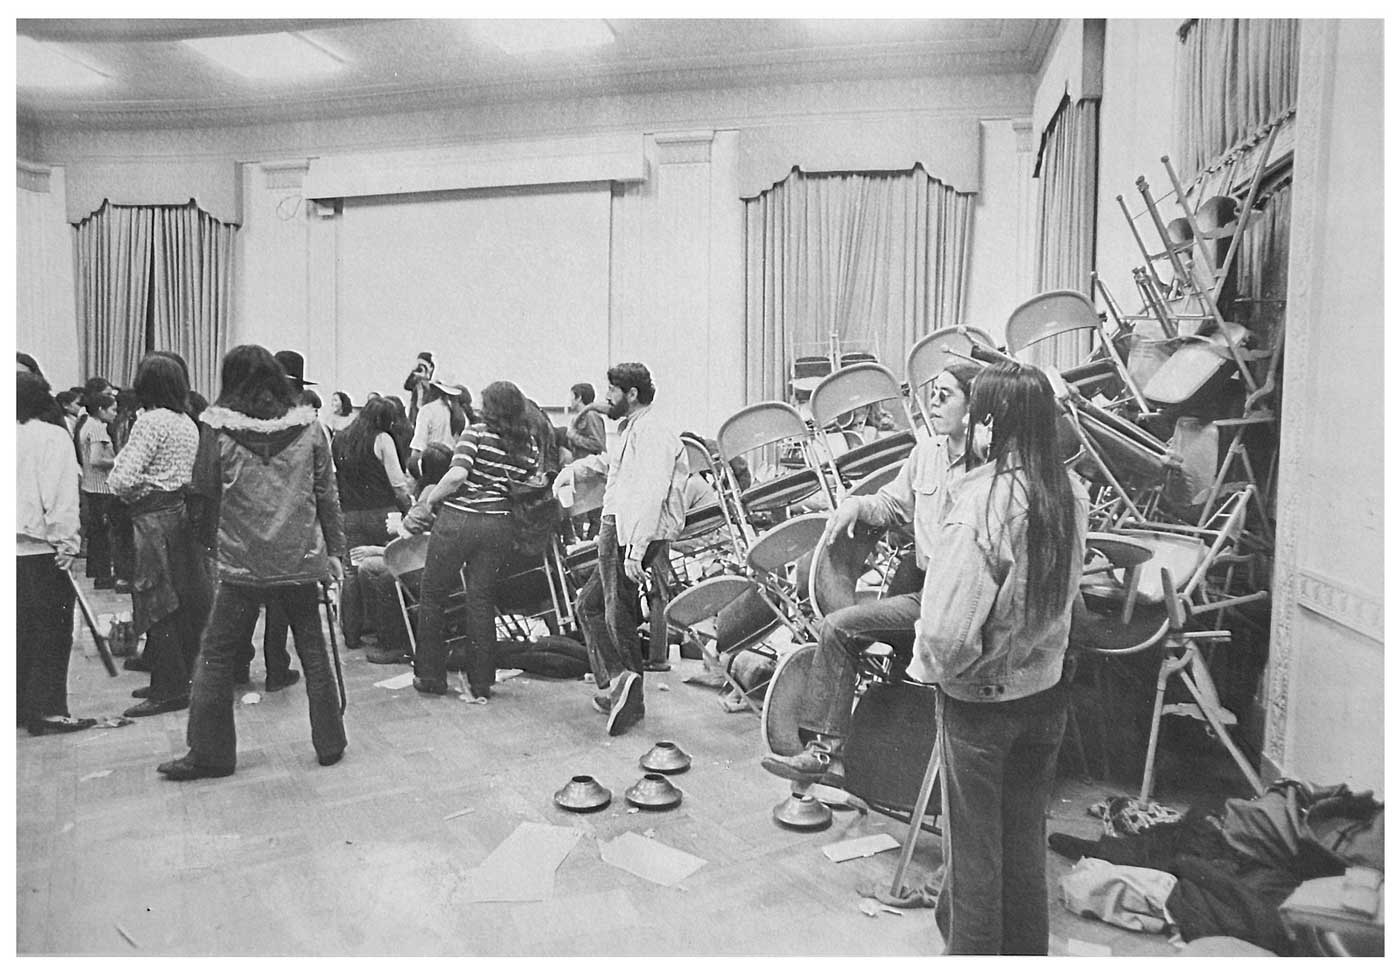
(369, 857)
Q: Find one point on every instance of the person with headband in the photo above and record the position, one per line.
(918, 496)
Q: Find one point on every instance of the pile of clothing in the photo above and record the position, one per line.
(1224, 872)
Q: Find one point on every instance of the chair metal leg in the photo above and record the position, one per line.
(1170, 664)
(1212, 716)
(916, 817)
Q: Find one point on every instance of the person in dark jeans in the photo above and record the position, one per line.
(992, 632)
(472, 535)
(266, 471)
(46, 543)
(643, 510)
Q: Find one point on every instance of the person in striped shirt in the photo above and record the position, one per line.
(471, 537)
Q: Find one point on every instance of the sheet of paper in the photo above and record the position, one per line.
(861, 846)
(397, 683)
(649, 859)
(522, 867)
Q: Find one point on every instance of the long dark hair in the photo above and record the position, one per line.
(255, 384)
(1021, 406)
(503, 412)
(343, 406)
(160, 383)
(357, 440)
(32, 397)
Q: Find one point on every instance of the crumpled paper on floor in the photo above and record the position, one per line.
(522, 867)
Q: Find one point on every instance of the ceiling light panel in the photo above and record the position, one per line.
(268, 57)
(531, 36)
(41, 65)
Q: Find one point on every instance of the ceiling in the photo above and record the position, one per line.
(153, 80)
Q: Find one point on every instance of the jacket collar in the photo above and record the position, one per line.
(221, 418)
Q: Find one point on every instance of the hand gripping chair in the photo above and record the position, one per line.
(852, 388)
(1141, 587)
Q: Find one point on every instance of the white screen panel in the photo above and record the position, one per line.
(497, 284)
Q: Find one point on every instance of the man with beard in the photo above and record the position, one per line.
(643, 510)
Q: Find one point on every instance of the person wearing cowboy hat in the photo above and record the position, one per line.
(440, 417)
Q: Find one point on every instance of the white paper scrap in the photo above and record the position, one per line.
(96, 775)
(861, 846)
(508, 674)
(522, 867)
(397, 683)
(649, 859)
(252, 697)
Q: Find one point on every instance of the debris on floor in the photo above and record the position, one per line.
(870, 907)
(96, 775)
(252, 697)
(396, 683)
(649, 859)
(522, 867)
(861, 846)
(459, 812)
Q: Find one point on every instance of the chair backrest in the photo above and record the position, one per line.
(760, 425)
(405, 555)
(933, 353)
(851, 388)
(697, 455)
(1047, 315)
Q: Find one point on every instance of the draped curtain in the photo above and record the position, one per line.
(1066, 213)
(1233, 76)
(147, 278)
(878, 258)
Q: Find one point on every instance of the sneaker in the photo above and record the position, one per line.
(379, 656)
(122, 586)
(627, 708)
(602, 703)
(136, 663)
(275, 682)
(811, 764)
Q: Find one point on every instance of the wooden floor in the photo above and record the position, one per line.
(368, 858)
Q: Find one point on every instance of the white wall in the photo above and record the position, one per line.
(1326, 688)
(1003, 227)
(1135, 131)
(676, 288)
(46, 324)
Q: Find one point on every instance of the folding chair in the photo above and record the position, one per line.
(1056, 313)
(932, 354)
(857, 387)
(1141, 587)
(754, 428)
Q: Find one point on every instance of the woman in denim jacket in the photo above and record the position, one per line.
(992, 633)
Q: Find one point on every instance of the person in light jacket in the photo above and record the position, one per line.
(992, 633)
(267, 471)
(46, 543)
(643, 511)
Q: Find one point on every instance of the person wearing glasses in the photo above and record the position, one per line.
(918, 496)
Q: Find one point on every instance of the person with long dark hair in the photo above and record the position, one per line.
(371, 484)
(170, 594)
(475, 531)
(342, 412)
(992, 633)
(46, 543)
(53, 413)
(279, 537)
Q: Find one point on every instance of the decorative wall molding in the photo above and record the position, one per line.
(684, 147)
(1317, 49)
(285, 175)
(32, 176)
(1025, 134)
(528, 162)
(1342, 604)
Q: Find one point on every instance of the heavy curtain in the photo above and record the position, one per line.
(878, 258)
(1066, 212)
(153, 278)
(1233, 76)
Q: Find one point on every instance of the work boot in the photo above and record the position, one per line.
(818, 762)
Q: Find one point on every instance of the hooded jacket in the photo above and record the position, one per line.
(273, 487)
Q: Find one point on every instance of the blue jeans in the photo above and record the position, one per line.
(609, 608)
(365, 527)
(998, 767)
(471, 546)
(211, 735)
